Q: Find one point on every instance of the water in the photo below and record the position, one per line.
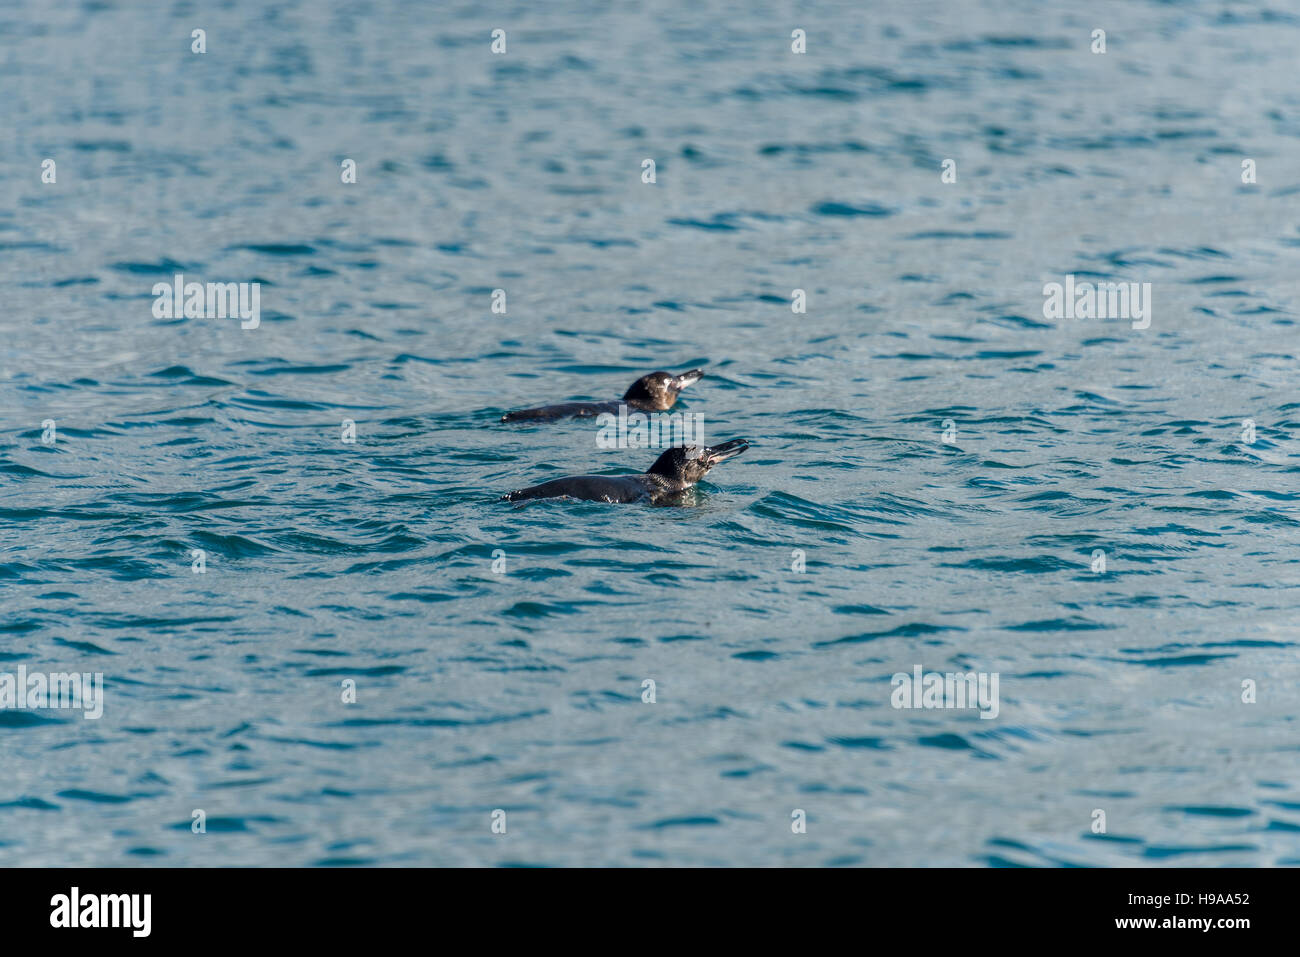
(1120, 691)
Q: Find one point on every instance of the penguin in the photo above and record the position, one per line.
(655, 392)
(674, 472)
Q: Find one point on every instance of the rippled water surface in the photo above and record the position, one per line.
(1120, 690)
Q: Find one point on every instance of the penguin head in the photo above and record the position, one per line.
(687, 464)
(658, 390)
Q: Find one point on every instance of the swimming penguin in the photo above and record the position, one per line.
(677, 470)
(655, 392)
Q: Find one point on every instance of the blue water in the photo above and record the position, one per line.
(1121, 690)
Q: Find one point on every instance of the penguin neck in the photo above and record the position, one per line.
(668, 485)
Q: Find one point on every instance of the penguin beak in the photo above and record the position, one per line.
(727, 450)
(687, 378)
